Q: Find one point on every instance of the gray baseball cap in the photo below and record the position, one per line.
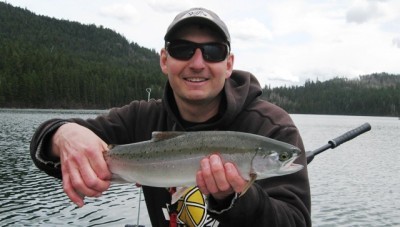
(198, 15)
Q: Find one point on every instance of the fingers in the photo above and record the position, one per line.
(234, 178)
(217, 178)
(86, 180)
(80, 180)
(214, 174)
(201, 184)
(84, 170)
(97, 162)
(73, 195)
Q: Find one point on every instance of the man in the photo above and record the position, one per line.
(203, 92)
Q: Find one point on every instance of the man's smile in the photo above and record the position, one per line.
(196, 79)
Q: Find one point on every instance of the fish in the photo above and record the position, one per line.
(172, 158)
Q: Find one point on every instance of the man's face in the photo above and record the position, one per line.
(196, 80)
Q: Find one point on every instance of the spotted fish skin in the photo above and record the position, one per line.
(171, 159)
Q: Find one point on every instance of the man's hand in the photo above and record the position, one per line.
(219, 179)
(84, 170)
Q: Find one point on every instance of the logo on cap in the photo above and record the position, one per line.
(198, 13)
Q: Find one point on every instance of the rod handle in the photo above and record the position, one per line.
(350, 135)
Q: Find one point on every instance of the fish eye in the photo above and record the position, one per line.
(284, 156)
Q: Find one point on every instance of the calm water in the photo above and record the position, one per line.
(356, 184)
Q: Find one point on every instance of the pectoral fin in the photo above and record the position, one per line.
(178, 194)
(253, 177)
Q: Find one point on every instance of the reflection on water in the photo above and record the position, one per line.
(356, 184)
(30, 197)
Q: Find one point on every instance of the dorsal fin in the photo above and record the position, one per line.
(159, 136)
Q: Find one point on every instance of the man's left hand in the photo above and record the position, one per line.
(219, 179)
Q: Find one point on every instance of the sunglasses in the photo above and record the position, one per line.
(184, 50)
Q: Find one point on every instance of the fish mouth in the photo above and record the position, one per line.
(289, 165)
(292, 168)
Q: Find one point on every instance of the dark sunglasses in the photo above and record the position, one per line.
(184, 50)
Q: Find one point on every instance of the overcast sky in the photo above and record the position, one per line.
(279, 41)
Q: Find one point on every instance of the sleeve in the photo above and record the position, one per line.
(40, 147)
(115, 127)
(276, 201)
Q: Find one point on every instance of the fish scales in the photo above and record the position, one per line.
(172, 158)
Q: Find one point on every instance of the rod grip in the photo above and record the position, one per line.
(350, 135)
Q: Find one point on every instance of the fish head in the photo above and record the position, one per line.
(275, 162)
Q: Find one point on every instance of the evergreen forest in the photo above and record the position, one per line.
(377, 94)
(51, 63)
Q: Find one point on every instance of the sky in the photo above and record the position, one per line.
(282, 42)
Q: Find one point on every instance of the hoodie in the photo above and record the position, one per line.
(276, 201)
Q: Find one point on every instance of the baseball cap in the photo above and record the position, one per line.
(201, 16)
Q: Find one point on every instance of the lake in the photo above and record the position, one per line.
(355, 184)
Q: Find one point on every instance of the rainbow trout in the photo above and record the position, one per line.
(171, 159)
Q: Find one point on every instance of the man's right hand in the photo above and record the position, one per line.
(84, 170)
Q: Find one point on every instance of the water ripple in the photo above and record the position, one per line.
(354, 185)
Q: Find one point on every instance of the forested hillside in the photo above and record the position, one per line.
(375, 95)
(50, 63)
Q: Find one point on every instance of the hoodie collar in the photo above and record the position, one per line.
(240, 89)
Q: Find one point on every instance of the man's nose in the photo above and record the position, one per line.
(197, 59)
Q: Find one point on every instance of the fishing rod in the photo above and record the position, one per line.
(339, 140)
(148, 90)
